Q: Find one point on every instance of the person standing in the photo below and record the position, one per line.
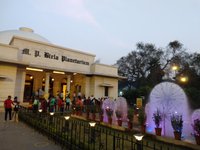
(8, 107)
(68, 101)
(52, 104)
(16, 109)
(60, 104)
(44, 105)
(36, 104)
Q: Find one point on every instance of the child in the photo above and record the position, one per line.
(16, 109)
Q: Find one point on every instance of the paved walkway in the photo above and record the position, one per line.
(19, 136)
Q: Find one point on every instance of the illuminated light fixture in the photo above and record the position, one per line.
(67, 117)
(31, 77)
(40, 110)
(71, 81)
(34, 69)
(43, 79)
(92, 124)
(138, 137)
(174, 67)
(74, 73)
(51, 113)
(183, 79)
(52, 79)
(58, 72)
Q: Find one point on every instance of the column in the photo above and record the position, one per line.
(20, 82)
(46, 89)
(68, 82)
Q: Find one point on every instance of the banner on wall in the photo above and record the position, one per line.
(139, 102)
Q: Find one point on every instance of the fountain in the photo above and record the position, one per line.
(119, 104)
(169, 98)
(196, 114)
(107, 103)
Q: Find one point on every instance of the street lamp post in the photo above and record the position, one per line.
(92, 135)
(40, 117)
(51, 117)
(138, 138)
(40, 110)
(67, 123)
(50, 123)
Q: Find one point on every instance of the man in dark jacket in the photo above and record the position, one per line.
(8, 107)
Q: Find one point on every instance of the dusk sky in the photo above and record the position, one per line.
(109, 29)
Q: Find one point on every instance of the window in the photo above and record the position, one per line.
(106, 91)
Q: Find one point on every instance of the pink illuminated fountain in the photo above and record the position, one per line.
(108, 104)
(119, 104)
(169, 98)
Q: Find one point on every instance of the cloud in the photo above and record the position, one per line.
(74, 9)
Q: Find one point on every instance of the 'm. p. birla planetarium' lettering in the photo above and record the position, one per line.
(65, 58)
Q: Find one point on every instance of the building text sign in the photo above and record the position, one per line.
(49, 55)
(139, 102)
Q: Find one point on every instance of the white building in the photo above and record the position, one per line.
(29, 62)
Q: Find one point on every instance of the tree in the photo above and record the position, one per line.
(136, 66)
(146, 65)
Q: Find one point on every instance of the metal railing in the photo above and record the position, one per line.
(77, 134)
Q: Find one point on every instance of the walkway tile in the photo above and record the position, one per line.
(19, 136)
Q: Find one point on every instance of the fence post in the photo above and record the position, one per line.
(114, 141)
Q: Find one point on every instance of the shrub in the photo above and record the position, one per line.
(141, 116)
(196, 127)
(177, 122)
(118, 114)
(157, 118)
(130, 114)
(109, 112)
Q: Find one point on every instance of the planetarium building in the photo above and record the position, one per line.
(29, 62)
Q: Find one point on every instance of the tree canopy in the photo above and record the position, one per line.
(149, 65)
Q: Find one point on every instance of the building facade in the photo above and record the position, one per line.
(29, 62)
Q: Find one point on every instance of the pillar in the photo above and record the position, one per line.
(68, 82)
(20, 82)
(46, 89)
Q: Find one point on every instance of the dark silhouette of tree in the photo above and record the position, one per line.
(147, 65)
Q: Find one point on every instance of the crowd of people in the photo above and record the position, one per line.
(59, 104)
(51, 104)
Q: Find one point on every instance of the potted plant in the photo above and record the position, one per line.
(119, 117)
(142, 120)
(130, 116)
(157, 118)
(196, 128)
(109, 113)
(177, 125)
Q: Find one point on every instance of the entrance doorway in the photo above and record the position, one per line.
(64, 88)
(28, 88)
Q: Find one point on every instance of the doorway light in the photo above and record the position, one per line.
(58, 72)
(34, 69)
